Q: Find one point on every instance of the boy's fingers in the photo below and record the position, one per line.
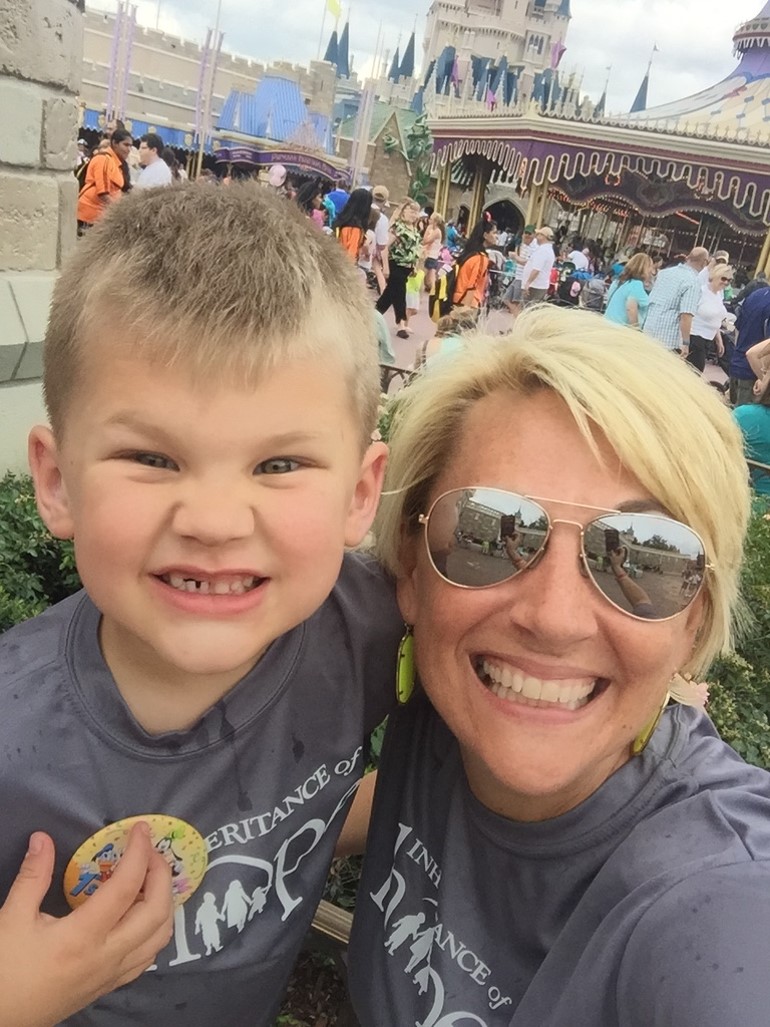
(114, 898)
(152, 919)
(34, 877)
(142, 954)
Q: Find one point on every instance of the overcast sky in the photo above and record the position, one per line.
(693, 36)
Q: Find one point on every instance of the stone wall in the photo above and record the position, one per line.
(41, 55)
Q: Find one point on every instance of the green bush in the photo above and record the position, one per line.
(740, 682)
(36, 569)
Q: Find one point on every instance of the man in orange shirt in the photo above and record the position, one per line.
(105, 179)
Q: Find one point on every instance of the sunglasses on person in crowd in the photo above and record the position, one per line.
(647, 565)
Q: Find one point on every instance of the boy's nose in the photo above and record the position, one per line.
(213, 516)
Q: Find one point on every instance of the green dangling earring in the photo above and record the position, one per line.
(639, 744)
(405, 667)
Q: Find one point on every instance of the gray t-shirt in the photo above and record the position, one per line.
(266, 776)
(646, 906)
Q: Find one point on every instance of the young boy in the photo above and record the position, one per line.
(212, 383)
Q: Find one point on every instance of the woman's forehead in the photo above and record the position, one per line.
(531, 443)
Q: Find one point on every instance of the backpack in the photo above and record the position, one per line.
(80, 172)
(440, 298)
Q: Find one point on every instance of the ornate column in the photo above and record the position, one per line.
(41, 55)
(543, 205)
(478, 192)
(535, 198)
(443, 181)
(764, 257)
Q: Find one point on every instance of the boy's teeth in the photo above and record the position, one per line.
(509, 683)
(217, 586)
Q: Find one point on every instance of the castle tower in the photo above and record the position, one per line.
(525, 32)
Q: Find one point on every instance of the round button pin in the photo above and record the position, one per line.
(95, 860)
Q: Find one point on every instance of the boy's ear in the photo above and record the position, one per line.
(50, 491)
(363, 505)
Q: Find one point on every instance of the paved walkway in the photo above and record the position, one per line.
(497, 322)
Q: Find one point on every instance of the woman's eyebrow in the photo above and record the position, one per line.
(642, 506)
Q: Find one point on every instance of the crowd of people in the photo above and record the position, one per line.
(687, 302)
(118, 164)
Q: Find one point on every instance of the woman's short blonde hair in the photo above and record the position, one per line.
(664, 423)
(721, 271)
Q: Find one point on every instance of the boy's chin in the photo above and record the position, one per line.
(229, 665)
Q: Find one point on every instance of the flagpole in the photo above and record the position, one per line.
(321, 37)
(209, 93)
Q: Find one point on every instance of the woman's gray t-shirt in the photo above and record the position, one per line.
(646, 906)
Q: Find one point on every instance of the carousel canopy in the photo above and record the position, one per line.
(706, 153)
(739, 104)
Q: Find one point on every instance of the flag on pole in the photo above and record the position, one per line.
(557, 52)
(334, 7)
(454, 78)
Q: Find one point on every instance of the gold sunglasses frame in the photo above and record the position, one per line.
(424, 518)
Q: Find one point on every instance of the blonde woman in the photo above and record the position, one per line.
(708, 318)
(432, 241)
(404, 252)
(553, 841)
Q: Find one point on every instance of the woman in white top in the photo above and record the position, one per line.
(709, 316)
(432, 242)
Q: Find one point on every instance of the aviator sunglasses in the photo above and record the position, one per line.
(646, 565)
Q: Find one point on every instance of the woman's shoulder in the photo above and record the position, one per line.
(699, 806)
(704, 942)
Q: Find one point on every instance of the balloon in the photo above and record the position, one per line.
(276, 176)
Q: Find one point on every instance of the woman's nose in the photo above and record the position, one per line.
(554, 601)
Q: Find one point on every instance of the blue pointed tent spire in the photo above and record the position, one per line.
(640, 103)
(601, 105)
(407, 61)
(332, 50)
(343, 53)
(393, 73)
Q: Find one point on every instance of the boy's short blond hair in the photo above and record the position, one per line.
(666, 426)
(223, 282)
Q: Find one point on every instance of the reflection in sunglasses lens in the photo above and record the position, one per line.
(647, 565)
(479, 537)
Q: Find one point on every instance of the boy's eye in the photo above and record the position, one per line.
(277, 465)
(154, 460)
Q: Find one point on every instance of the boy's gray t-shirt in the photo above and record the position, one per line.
(646, 906)
(266, 776)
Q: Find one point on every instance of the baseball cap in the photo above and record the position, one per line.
(545, 231)
(529, 229)
(380, 195)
